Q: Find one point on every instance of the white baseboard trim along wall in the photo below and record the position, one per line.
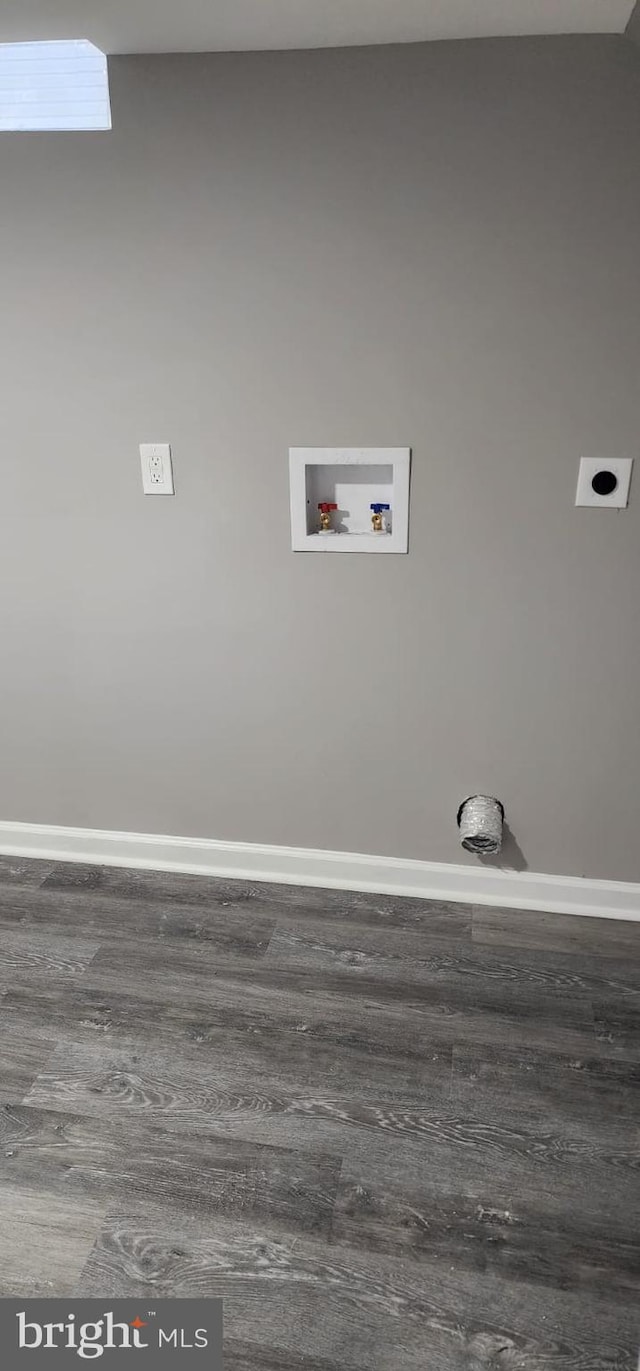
(337, 870)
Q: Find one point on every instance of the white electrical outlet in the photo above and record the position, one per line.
(157, 472)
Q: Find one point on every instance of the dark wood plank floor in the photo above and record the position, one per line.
(393, 1135)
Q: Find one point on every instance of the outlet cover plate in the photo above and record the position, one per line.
(620, 467)
(157, 472)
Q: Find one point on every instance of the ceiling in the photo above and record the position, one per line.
(222, 25)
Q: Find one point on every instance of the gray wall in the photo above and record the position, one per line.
(429, 245)
(633, 27)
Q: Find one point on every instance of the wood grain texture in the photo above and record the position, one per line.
(358, 1308)
(520, 1081)
(441, 1014)
(413, 961)
(378, 911)
(23, 1054)
(45, 1241)
(41, 953)
(531, 1239)
(25, 871)
(83, 913)
(391, 1134)
(341, 1024)
(617, 1028)
(245, 1356)
(70, 1154)
(549, 933)
(93, 1079)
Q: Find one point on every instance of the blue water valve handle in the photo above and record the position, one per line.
(378, 508)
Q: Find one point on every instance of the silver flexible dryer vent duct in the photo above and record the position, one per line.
(480, 820)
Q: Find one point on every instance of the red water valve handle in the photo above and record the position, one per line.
(326, 508)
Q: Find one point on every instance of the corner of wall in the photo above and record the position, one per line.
(632, 30)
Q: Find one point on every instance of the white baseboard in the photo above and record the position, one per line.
(338, 870)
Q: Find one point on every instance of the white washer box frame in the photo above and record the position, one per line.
(398, 458)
